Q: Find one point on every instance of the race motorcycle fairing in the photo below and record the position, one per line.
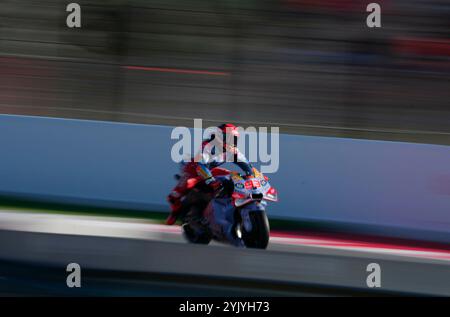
(236, 215)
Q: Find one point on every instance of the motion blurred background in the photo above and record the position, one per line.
(308, 67)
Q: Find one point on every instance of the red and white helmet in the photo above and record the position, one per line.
(230, 135)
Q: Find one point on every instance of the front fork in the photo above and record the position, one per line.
(242, 222)
(255, 206)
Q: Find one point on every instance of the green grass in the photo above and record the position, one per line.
(151, 215)
(148, 215)
(63, 209)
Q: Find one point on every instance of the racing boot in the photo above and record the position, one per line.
(174, 200)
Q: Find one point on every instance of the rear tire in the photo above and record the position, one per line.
(258, 238)
(194, 237)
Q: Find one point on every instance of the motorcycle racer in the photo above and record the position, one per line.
(214, 152)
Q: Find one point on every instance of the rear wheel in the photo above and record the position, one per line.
(193, 230)
(258, 237)
(195, 236)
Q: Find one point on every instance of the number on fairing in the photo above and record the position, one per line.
(252, 183)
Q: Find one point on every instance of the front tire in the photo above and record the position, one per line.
(258, 237)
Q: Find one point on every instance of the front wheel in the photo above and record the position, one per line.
(258, 237)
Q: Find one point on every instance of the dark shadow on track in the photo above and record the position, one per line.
(24, 279)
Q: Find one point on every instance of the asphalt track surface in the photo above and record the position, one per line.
(123, 257)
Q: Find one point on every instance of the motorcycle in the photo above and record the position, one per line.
(235, 215)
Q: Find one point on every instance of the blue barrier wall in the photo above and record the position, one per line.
(384, 184)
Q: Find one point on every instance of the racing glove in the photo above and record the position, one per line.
(214, 184)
